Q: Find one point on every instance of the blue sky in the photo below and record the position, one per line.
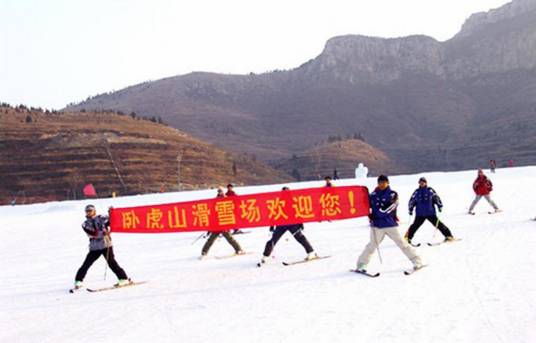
(54, 52)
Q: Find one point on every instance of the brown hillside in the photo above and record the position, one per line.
(343, 155)
(51, 156)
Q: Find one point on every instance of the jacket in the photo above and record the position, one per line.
(383, 206)
(482, 185)
(425, 199)
(97, 229)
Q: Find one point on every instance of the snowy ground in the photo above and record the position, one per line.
(482, 288)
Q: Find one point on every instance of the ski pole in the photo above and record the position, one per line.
(198, 238)
(106, 266)
(377, 245)
(436, 227)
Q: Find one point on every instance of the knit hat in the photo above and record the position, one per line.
(423, 179)
(383, 178)
(90, 208)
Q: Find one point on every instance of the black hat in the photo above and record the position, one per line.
(423, 179)
(230, 185)
(383, 178)
(285, 188)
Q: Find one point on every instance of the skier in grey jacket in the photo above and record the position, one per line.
(97, 228)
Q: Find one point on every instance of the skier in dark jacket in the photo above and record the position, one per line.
(296, 231)
(97, 228)
(214, 235)
(424, 200)
(384, 222)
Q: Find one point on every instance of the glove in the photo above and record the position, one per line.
(439, 209)
(410, 213)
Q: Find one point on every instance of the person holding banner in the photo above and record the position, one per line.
(384, 222)
(328, 181)
(296, 231)
(97, 228)
(231, 193)
(214, 235)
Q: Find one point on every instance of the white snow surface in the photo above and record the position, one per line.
(481, 288)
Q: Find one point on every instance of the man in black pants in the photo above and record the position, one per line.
(296, 231)
(425, 199)
(227, 235)
(97, 228)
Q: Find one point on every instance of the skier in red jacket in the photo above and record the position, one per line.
(482, 187)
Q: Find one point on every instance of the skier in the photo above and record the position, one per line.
(383, 203)
(296, 231)
(424, 199)
(97, 228)
(230, 190)
(231, 193)
(492, 165)
(328, 181)
(482, 187)
(214, 235)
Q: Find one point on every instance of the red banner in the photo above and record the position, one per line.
(245, 211)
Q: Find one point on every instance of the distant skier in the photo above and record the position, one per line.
(97, 228)
(482, 187)
(230, 190)
(335, 174)
(383, 203)
(424, 199)
(327, 179)
(361, 172)
(492, 165)
(296, 231)
(214, 235)
(510, 163)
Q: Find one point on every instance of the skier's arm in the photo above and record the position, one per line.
(382, 213)
(89, 229)
(412, 203)
(436, 200)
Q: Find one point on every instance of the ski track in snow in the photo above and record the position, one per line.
(481, 288)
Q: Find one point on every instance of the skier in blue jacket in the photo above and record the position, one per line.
(383, 222)
(425, 200)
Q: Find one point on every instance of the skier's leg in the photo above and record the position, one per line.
(376, 237)
(300, 237)
(491, 202)
(403, 245)
(473, 204)
(227, 235)
(415, 226)
(209, 242)
(440, 226)
(114, 266)
(91, 257)
(270, 245)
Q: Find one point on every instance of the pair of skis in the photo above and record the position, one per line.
(406, 272)
(292, 263)
(434, 244)
(108, 288)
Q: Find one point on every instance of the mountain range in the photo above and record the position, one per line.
(425, 104)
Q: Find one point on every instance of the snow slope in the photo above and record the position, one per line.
(482, 288)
